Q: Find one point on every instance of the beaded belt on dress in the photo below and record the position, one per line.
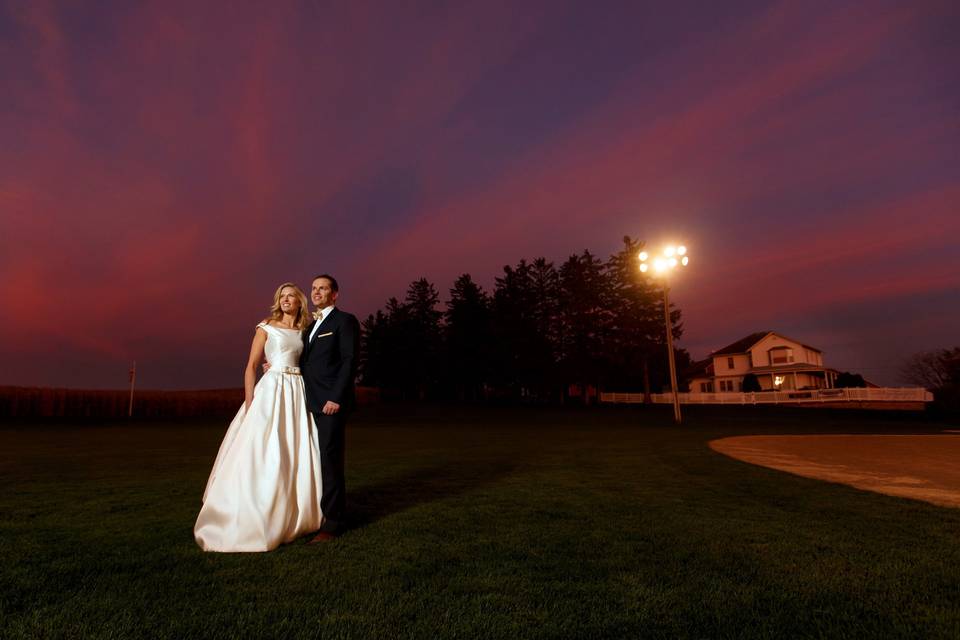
(294, 370)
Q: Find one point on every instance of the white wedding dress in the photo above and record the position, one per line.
(265, 486)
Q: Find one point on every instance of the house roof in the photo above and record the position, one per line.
(745, 344)
(698, 369)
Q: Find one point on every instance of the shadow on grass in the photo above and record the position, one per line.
(370, 503)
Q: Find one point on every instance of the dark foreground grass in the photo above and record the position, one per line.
(477, 524)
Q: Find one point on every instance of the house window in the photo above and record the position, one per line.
(778, 381)
(781, 355)
(703, 387)
(729, 363)
(728, 385)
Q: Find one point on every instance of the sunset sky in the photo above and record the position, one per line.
(165, 165)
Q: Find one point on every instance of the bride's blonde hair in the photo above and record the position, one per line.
(303, 316)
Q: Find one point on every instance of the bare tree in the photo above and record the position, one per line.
(932, 369)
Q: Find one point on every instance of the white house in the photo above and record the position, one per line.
(778, 363)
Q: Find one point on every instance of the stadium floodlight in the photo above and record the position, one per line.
(663, 264)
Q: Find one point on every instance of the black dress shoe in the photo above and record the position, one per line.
(323, 536)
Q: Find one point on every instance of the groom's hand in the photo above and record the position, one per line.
(266, 367)
(330, 408)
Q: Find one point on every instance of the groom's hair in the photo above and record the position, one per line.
(333, 281)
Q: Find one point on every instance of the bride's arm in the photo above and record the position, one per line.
(250, 374)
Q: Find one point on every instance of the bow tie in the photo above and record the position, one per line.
(318, 315)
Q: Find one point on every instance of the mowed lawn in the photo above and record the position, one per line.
(478, 523)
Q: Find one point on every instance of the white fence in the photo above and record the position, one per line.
(870, 394)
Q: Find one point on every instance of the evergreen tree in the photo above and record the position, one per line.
(545, 317)
(585, 320)
(637, 332)
(468, 339)
(372, 345)
(423, 337)
(397, 349)
(523, 354)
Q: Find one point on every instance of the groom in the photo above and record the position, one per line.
(328, 364)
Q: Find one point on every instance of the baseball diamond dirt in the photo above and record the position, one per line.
(922, 467)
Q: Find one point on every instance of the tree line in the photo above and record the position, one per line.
(545, 334)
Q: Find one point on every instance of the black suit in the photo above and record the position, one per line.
(328, 364)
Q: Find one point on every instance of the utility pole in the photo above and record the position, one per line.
(133, 382)
(670, 356)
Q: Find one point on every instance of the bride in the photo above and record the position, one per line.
(264, 489)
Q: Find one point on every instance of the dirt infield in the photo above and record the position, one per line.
(922, 467)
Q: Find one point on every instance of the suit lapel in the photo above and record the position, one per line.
(327, 323)
(306, 336)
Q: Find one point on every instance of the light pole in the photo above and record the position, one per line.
(670, 258)
(133, 381)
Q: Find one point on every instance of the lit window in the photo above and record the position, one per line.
(778, 381)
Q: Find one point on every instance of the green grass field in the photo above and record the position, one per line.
(482, 523)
